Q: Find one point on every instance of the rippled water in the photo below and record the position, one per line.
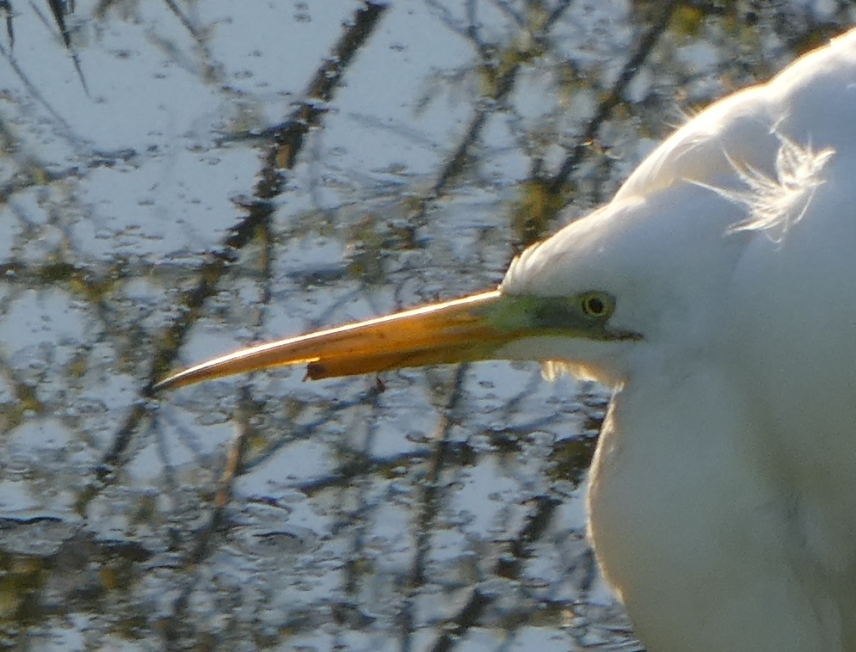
(187, 177)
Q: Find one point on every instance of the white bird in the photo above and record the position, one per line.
(716, 296)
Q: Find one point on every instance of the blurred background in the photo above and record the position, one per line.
(182, 177)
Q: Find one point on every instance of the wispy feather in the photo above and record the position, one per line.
(777, 203)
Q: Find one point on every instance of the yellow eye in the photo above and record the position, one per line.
(596, 305)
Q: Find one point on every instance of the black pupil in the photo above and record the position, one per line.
(595, 306)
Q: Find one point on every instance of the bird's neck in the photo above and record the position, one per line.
(675, 458)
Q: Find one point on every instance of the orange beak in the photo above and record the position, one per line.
(455, 331)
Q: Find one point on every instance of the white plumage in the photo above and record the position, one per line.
(716, 294)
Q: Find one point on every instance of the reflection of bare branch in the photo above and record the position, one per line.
(65, 127)
(288, 136)
(204, 540)
(430, 503)
(643, 48)
(561, 7)
(355, 518)
(510, 11)
(184, 20)
(541, 198)
(59, 8)
(345, 474)
(287, 142)
(503, 76)
(449, 21)
(509, 567)
(6, 10)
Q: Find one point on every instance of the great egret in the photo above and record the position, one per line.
(716, 295)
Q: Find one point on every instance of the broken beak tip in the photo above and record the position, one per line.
(315, 371)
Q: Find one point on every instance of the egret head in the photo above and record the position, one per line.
(632, 280)
(665, 278)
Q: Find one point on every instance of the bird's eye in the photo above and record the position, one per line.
(596, 305)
